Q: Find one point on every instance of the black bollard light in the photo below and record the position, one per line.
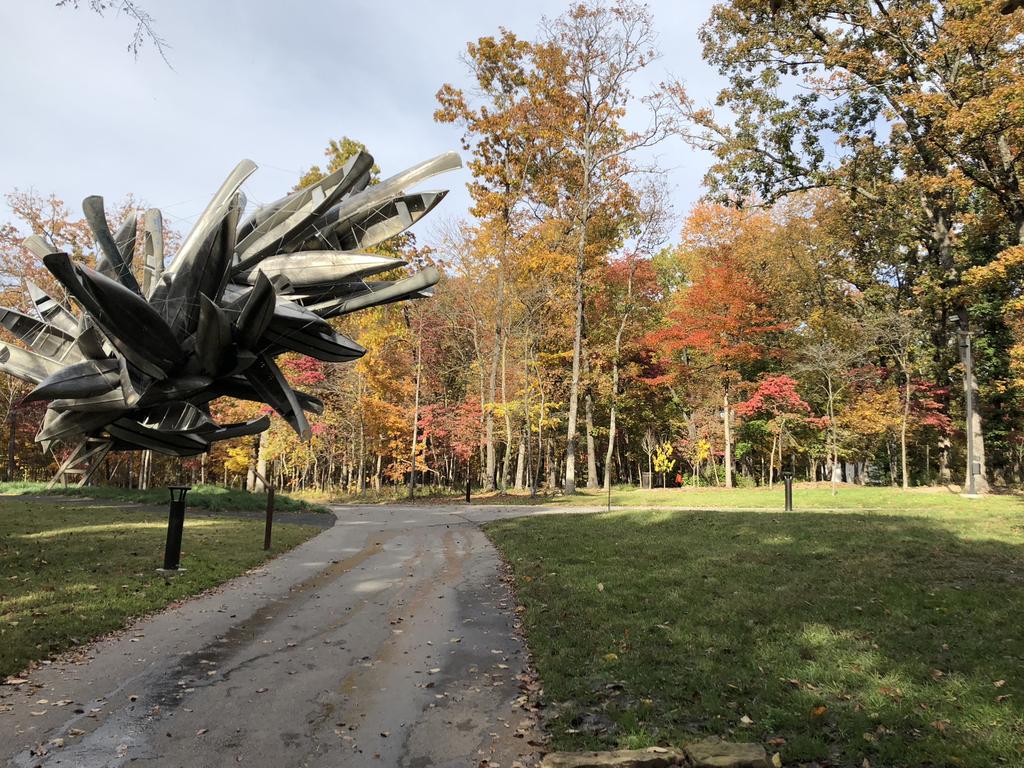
(175, 525)
(787, 478)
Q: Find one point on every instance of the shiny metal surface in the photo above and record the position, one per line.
(137, 367)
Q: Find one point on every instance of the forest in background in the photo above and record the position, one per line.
(862, 222)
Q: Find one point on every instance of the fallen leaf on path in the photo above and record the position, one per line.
(201, 731)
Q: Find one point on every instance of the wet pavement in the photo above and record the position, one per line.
(389, 639)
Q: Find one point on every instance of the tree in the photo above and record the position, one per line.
(721, 323)
(942, 79)
(338, 152)
(898, 337)
(663, 461)
(584, 65)
(500, 135)
(826, 363)
(776, 399)
(145, 25)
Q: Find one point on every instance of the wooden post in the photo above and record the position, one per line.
(270, 517)
(269, 525)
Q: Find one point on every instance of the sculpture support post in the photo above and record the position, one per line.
(175, 526)
(270, 518)
(269, 524)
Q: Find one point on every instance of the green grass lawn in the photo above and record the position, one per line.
(214, 498)
(68, 574)
(835, 637)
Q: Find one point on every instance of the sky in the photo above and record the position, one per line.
(273, 82)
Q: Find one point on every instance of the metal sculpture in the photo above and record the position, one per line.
(136, 368)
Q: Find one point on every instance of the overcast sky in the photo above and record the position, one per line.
(271, 81)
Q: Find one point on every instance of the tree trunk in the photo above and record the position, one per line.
(12, 443)
(727, 419)
(976, 432)
(261, 463)
(520, 462)
(577, 339)
(490, 454)
(250, 474)
(531, 479)
(782, 432)
(549, 462)
(507, 459)
(612, 407)
(591, 448)
(361, 482)
(611, 432)
(416, 416)
(903, 431)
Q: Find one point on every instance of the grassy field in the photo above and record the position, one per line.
(806, 497)
(71, 573)
(893, 637)
(214, 498)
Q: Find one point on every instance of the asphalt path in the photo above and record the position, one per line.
(389, 639)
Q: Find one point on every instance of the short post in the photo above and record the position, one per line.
(788, 479)
(270, 517)
(175, 525)
(469, 482)
(269, 524)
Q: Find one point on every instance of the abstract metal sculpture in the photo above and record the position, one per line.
(138, 366)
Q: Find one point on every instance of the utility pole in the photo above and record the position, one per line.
(969, 408)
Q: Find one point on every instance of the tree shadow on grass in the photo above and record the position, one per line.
(849, 636)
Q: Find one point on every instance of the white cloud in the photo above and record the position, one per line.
(272, 81)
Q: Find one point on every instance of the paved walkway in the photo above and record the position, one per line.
(387, 640)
